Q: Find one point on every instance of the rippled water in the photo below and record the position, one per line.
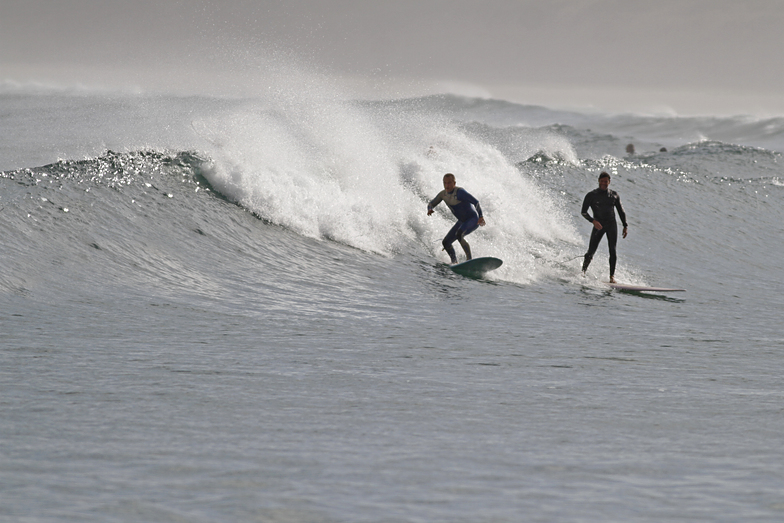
(247, 317)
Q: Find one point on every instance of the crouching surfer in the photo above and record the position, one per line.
(466, 209)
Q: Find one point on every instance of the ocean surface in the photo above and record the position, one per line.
(237, 309)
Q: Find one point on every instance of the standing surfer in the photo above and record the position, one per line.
(603, 203)
(465, 208)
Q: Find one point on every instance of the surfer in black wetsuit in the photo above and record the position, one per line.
(603, 203)
(465, 208)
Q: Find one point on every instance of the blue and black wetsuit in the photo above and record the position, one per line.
(467, 211)
(603, 205)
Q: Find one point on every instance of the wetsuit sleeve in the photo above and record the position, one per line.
(621, 212)
(435, 201)
(586, 204)
(464, 196)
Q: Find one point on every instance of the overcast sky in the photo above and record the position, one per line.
(692, 56)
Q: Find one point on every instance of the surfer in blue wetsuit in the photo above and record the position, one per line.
(603, 203)
(465, 208)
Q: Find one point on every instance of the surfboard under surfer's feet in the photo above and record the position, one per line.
(477, 267)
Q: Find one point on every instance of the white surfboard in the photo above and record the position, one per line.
(642, 288)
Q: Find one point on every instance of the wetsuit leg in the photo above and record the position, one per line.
(612, 240)
(596, 237)
(466, 229)
(449, 239)
(466, 247)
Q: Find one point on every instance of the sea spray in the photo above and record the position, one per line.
(362, 174)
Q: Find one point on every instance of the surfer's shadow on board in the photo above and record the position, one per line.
(648, 295)
(601, 293)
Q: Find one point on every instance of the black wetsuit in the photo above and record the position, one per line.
(603, 205)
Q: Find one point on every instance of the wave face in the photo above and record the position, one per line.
(360, 174)
(234, 309)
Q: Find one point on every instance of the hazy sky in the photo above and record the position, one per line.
(688, 55)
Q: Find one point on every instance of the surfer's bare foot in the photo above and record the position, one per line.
(612, 280)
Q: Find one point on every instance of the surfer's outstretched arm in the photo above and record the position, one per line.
(435, 201)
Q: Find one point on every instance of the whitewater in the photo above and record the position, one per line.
(237, 309)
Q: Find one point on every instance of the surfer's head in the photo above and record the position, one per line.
(449, 182)
(604, 181)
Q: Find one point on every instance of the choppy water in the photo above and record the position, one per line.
(237, 310)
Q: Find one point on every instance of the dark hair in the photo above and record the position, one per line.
(604, 175)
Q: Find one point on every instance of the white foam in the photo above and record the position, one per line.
(363, 176)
